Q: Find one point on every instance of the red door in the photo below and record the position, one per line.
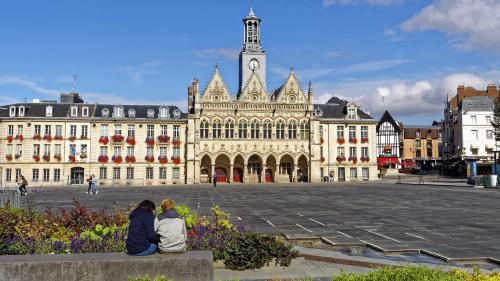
(269, 175)
(220, 174)
(237, 175)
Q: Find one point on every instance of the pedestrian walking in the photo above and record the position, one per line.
(89, 181)
(94, 184)
(214, 180)
(22, 185)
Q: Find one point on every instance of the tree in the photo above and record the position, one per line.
(496, 117)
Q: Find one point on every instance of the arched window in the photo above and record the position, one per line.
(242, 130)
(229, 129)
(48, 111)
(216, 130)
(280, 130)
(292, 130)
(204, 129)
(118, 112)
(254, 130)
(164, 112)
(268, 127)
(304, 130)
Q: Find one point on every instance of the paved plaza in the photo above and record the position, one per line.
(453, 222)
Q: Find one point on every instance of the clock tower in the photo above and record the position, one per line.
(252, 57)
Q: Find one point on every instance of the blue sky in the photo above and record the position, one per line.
(400, 55)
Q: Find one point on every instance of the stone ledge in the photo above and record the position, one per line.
(189, 266)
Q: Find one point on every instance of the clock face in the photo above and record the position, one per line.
(254, 64)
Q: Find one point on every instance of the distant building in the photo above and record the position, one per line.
(388, 145)
(421, 145)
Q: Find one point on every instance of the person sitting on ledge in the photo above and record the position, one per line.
(142, 239)
(171, 228)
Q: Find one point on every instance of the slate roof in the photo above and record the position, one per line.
(141, 111)
(477, 103)
(335, 108)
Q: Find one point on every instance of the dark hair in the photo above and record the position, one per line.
(147, 205)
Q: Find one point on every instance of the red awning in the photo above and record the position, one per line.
(382, 161)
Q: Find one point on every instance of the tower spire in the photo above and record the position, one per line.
(310, 92)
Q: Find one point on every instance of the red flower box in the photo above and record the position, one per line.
(37, 137)
(341, 140)
(353, 159)
(163, 159)
(48, 138)
(83, 155)
(131, 140)
(46, 158)
(150, 141)
(20, 137)
(104, 140)
(176, 142)
(117, 159)
(72, 138)
(72, 158)
(149, 158)
(340, 159)
(117, 138)
(36, 158)
(83, 137)
(17, 156)
(176, 160)
(322, 159)
(321, 140)
(364, 140)
(163, 139)
(130, 159)
(58, 137)
(365, 159)
(10, 139)
(58, 157)
(8, 157)
(103, 159)
(353, 140)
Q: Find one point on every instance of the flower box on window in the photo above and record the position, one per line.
(364, 140)
(10, 138)
(365, 159)
(131, 140)
(17, 156)
(176, 142)
(47, 138)
(103, 159)
(149, 158)
(83, 137)
(83, 155)
(58, 137)
(104, 140)
(163, 159)
(340, 140)
(130, 159)
(163, 139)
(353, 140)
(72, 138)
(8, 157)
(117, 138)
(322, 159)
(72, 158)
(353, 159)
(36, 157)
(340, 159)
(117, 159)
(176, 160)
(150, 141)
(58, 157)
(20, 137)
(321, 140)
(46, 158)
(37, 137)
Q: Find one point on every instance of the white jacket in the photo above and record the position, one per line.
(172, 232)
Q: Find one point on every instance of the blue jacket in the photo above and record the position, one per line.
(141, 232)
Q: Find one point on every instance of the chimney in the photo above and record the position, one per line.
(190, 100)
(492, 88)
(310, 93)
(460, 93)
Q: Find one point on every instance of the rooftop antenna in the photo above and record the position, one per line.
(75, 79)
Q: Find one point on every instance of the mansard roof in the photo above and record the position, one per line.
(387, 117)
(336, 108)
(141, 111)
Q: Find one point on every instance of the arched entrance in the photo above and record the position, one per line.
(222, 166)
(254, 169)
(206, 169)
(270, 173)
(238, 166)
(286, 169)
(77, 175)
(303, 169)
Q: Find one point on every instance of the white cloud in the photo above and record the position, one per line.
(471, 24)
(20, 81)
(215, 53)
(136, 73)
(327, 3)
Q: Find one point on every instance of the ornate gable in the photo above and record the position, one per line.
(254, 91)
(216, 90)
(291, 92)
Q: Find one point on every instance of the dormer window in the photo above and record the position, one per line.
(118, 112)
(12, 111)
(318, 112)
(74, 111)
(351, 113)
(131, 113)
(164, 112)
(21, 110)
(177, 113)
(417, 134)
(151, 113)
(48, 111)
(85, 111)
(105, 112)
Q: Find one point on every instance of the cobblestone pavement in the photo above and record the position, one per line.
(454, 222)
